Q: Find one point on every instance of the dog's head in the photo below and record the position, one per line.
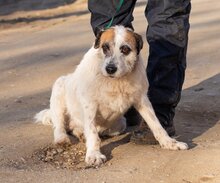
(119, 48)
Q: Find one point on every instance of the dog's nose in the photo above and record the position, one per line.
(111, 68)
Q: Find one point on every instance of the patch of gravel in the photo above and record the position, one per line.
(67, 156)
(63, 157)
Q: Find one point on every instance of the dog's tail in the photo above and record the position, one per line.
(43, 117)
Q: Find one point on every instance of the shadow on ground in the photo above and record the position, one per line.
(11, 6)
(198, 110)
(43, 18)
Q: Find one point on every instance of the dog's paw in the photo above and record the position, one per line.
(62, 139)
(95, 158)
(173, 144)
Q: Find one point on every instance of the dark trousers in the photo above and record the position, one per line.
(167, 35)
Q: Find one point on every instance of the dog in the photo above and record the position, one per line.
(92, 100)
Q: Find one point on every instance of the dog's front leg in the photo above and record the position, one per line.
(145, 108)
(93, 155)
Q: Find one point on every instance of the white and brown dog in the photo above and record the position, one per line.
(109, 80)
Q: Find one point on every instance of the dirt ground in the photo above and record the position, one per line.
(33, 54)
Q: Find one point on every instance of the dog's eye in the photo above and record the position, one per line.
(125, 49)
(105, 48)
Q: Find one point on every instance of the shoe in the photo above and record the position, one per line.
(144, 135)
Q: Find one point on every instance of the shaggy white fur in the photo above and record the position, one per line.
(93, 99)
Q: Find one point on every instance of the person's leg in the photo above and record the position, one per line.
(167, 35)
(102, 12)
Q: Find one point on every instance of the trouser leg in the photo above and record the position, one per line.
(102, 12)
(167, 35)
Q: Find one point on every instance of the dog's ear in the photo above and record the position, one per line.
(139, 42)
(97, 40)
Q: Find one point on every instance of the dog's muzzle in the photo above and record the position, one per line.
(111, 68)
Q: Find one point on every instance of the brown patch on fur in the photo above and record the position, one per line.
(130, 39)
(134, 40)
(108, 36)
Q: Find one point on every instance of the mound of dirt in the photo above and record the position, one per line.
(64, 157)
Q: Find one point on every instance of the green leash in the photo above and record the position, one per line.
(117, 10)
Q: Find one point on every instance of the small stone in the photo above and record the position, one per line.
(18, 101)
(80, 153)
(198, 89)
(23, 160)
(109, 164)
(54, 152)
(55, 55)
(46, 159)
(59, 150)
(49, 153)
(56, 162)
(214, 82)
(66, 156)
(65, 153)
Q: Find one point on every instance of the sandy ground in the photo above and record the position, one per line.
(33, 55)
